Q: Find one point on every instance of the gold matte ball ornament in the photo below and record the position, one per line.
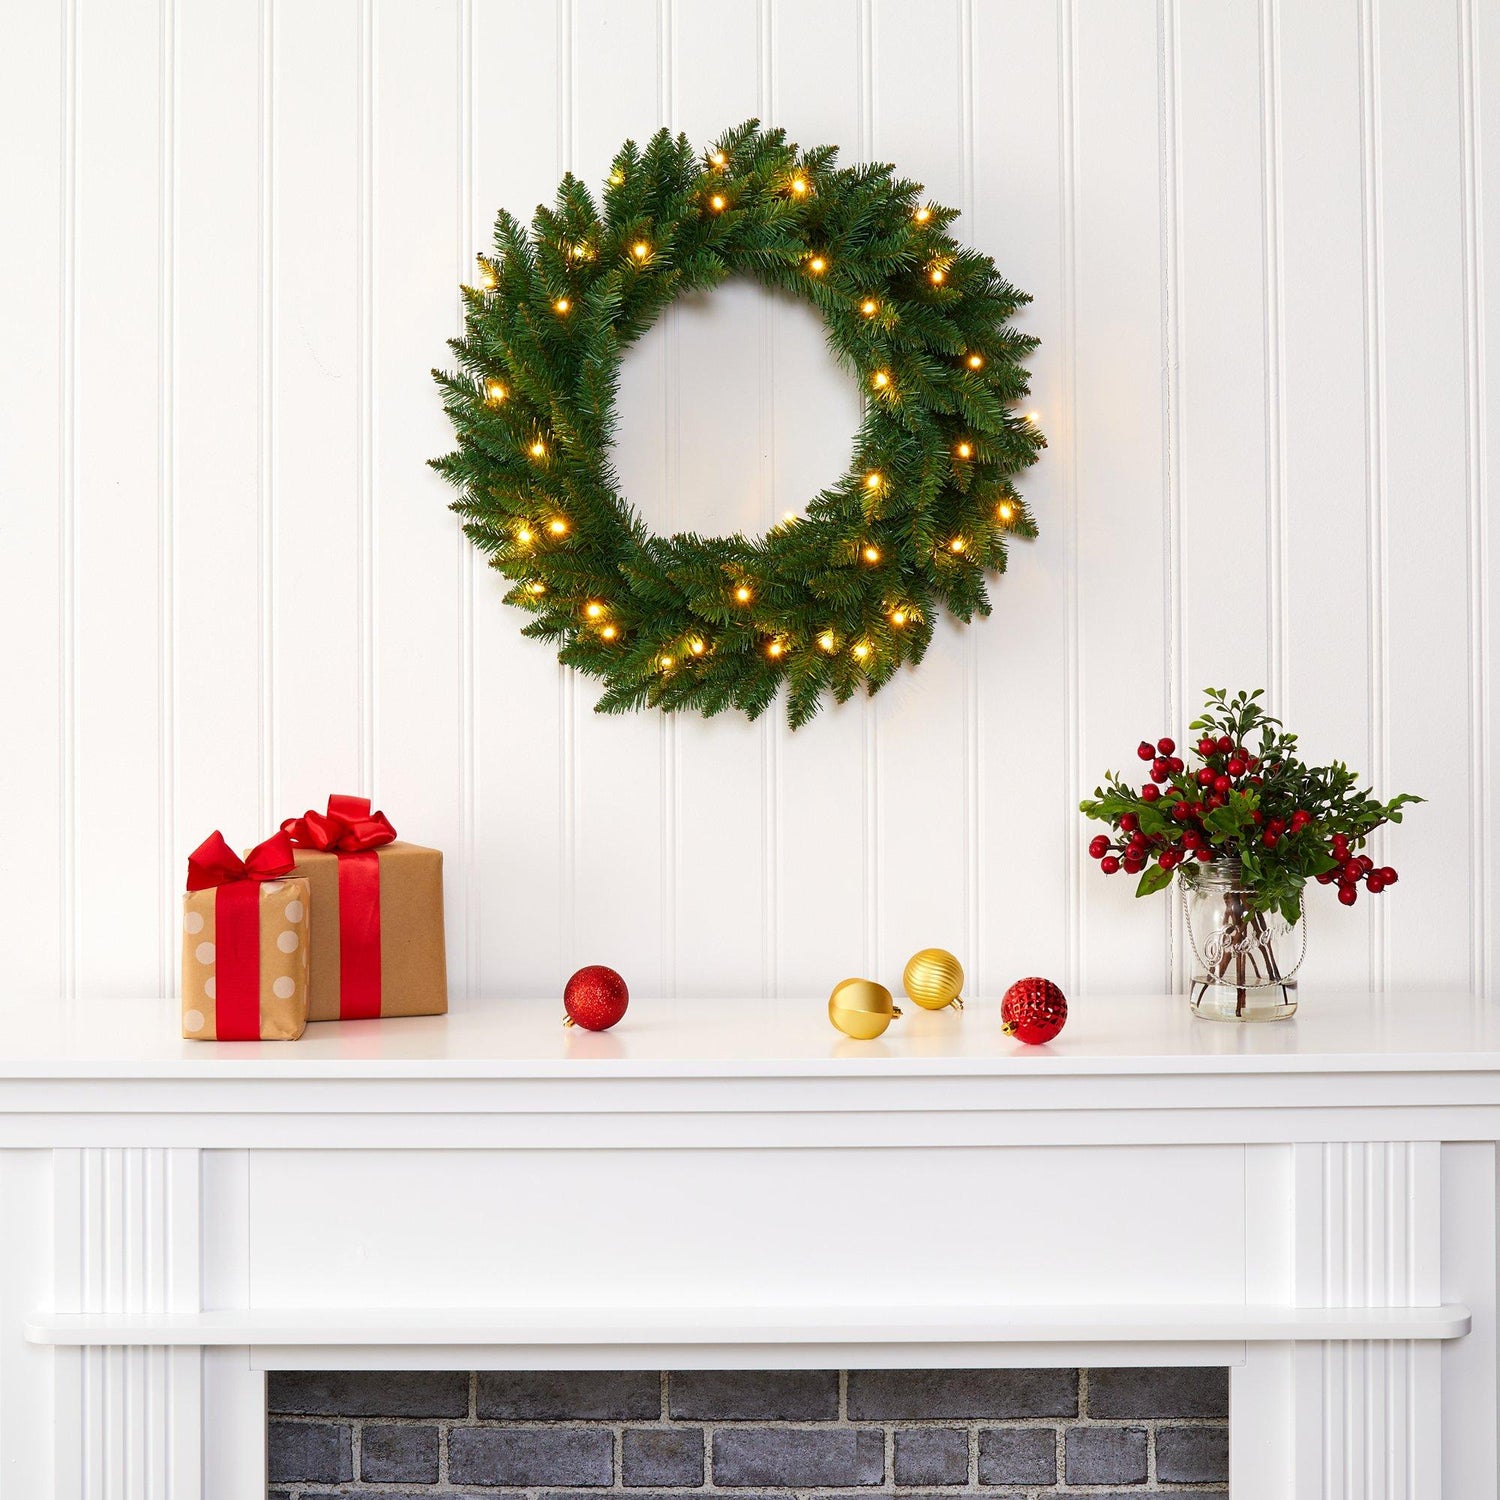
(934, 978)
(861, 1008)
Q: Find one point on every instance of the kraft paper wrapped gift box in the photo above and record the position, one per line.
(244, 944)
(377, 915)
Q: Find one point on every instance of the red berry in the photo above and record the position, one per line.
(1175, 765)
(1109, 864)
(1206, 853)
(1324, 877)
(1146, 750)
(1366, 864)
(1159, 772)
(1150, 793)
(1300, 820)
(1098, 846)
(1181, 812)
(1257, 816)
(1190, 838)
(1206, 746)
(1373, 883)
(1206, 777)
(1348, 895)
(1225, 744)
(1134, 863)
(1129, 822)
(1166, 744)
(1269, 839)
(1340, 847)
(1217, 800)
(1387, 875)
(1221, 783)
(1168, 858)
(1353, 870)
(1277, 825)
(1236, 767)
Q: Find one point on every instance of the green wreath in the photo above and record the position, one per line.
(832, 601)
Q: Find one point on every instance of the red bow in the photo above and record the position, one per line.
(346, 827)
(213, 862)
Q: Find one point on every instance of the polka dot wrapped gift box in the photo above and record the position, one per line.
(244, 944)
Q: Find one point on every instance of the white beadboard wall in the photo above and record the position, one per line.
(1264, 242)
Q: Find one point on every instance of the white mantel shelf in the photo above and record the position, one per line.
(1106, 1035)
(717, 1184)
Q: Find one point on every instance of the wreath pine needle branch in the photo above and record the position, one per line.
(830, 602)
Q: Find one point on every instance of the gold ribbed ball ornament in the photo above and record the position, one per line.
(861, 1008)
(934, 978)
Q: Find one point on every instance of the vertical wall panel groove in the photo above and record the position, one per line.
(1068, 451)
(1375, 438)
(1276, 522)
(1171, 250)
(266, 444)
(467, 248)
(166, 733)
(1481, 918)
(368, 402)
(68, 532)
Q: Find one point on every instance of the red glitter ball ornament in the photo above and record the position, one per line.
(1034, 1011)
(595, 998)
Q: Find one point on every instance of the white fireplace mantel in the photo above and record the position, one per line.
(1311, 1203)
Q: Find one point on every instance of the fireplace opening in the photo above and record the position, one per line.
(555, 1434)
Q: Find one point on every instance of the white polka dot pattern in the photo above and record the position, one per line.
(192, 923)
(287, 941)
(205, 953)
(284, 987)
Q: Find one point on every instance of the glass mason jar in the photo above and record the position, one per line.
(1246, 959)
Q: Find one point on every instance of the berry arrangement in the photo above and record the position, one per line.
(1251, 800)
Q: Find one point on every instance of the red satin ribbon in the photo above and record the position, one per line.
(350, 830)
(213, 865)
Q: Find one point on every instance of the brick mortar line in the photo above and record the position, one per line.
(655, 1424)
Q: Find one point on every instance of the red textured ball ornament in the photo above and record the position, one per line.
(595, 998)
(1034, 1011)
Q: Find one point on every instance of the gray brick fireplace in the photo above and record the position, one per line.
(554, 1435)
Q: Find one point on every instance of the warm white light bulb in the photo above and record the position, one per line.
(640, 249)
(869, 307)
(523, 536)
(594, 609)
(743, 594)
(898, 618)
(937, 275)
(696, 646)
(558, 527)
(861, 650)
(495, 393)
(827, 641)
(774, 649)
(561, 306)
(957, 544)
(922, 215)
(609, 632)
(799, 185)
(817, 265)
(965, 450)
(871, 553)
(616, 178)
(539, 449)
(716, 202)
(880, 380)
(718, 158)
(872, 480)
(1006, 511)
(976, 361)
(667, 662)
